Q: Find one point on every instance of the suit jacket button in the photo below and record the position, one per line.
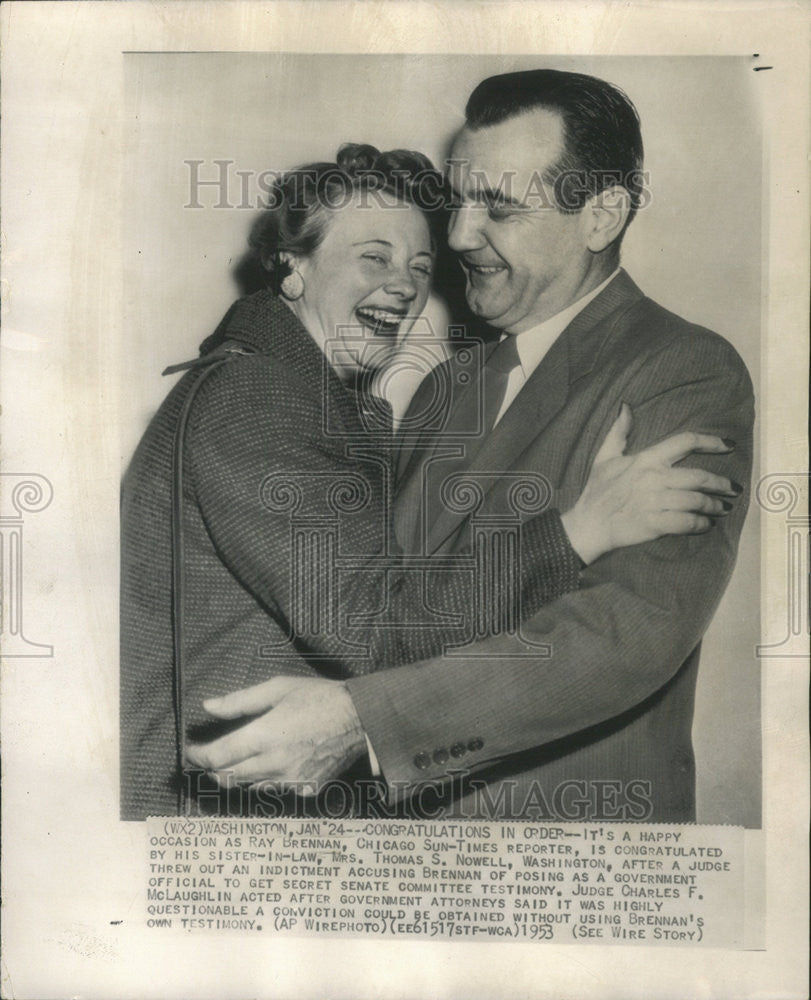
(422, 761)
(440, 756)
(475, 744)
(458, 750)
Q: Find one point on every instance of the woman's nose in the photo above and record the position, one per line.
(402, 285)
(463, 229)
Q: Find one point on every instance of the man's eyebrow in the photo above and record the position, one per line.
(484, 194)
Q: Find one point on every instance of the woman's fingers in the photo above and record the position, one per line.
(697, 502)
(632, 499)
(679, 446)
(673, 522)
(701, 479)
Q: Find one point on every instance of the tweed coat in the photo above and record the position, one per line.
(598, 725)
(287, 563)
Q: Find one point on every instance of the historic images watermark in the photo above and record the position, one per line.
(21, 494)
(786, 494)
(221, 184)
(571, 800)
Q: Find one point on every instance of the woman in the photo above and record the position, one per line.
(255, 511)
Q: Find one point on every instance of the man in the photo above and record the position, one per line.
(596, 722)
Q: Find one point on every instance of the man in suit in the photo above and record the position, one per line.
(586, 711)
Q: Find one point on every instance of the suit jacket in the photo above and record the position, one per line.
(287, 565)
(597, 726)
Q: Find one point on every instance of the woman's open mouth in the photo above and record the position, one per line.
(381, 321)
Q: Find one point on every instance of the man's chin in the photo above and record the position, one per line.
(484, 306)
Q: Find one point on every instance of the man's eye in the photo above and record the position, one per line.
(499, 212)
(423, 269)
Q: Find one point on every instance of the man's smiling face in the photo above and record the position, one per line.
(524, 260)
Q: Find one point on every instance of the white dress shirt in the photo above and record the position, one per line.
(534, 343)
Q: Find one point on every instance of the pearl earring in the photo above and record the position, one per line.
(292, 287)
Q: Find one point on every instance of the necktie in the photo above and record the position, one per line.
(464, 417)
(469, 422)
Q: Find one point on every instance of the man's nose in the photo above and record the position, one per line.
(464, 229)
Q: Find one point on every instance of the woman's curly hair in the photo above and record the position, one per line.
(295, 217)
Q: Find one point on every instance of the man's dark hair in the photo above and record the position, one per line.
(601, 131)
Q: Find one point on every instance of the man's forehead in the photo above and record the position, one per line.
(527, 143)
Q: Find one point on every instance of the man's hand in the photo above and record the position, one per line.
(630, 499)
(306, 732)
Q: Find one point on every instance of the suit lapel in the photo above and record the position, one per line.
(571, 357)
(449, 383)
(537, 403)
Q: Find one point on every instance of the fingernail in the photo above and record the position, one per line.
(737, 489)
(729, 443)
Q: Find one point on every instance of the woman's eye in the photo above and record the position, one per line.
(376, 257)
(423, 269)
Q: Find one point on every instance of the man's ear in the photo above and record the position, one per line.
(604, 216)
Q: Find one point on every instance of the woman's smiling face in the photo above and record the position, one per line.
(366, 282)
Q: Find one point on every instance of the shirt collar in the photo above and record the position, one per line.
(533, 344)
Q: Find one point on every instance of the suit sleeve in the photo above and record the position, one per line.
(638, 614)
(258, 460)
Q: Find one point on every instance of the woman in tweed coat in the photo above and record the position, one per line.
(255, 536)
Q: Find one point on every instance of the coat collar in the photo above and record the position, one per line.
(266, 325)
(587, 332)
(263, 323)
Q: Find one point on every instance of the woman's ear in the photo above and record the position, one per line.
(288, 257)
(605, 216)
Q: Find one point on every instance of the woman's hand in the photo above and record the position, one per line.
(635, 498)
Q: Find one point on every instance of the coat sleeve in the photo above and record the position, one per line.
(258, 459)
(638, 614)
